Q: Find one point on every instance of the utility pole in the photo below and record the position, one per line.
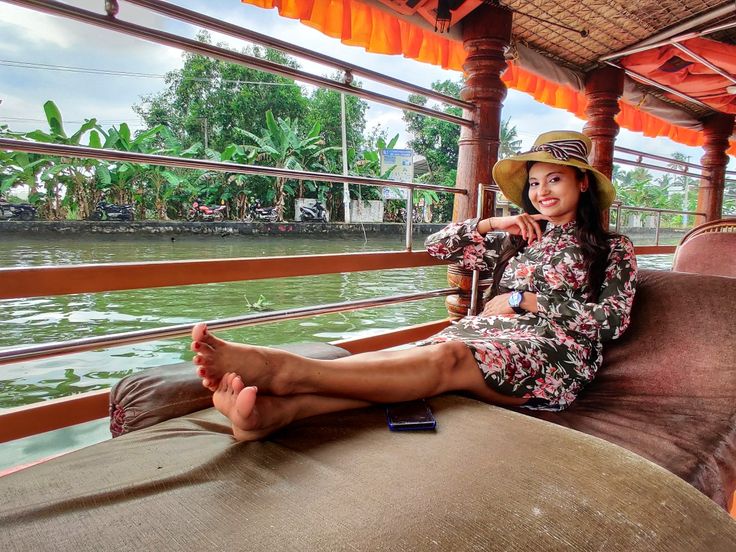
(345, 186)
(205, 131)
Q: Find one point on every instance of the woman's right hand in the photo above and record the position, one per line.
(524, 225)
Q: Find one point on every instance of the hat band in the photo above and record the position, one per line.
(563, 150)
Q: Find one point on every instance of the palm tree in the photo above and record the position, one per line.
(683, 181)
(509, 142)
(280, 143)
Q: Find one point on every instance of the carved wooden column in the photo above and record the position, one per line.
(486, 35)
(717, 130)
(603, 88)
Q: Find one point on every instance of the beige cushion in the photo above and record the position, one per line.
(488, 479)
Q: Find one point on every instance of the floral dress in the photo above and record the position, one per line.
(548, 356)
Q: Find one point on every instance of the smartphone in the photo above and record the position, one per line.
(410, 416)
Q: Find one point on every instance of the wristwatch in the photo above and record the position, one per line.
(515, 300)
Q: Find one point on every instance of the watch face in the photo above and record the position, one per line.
(515, 299)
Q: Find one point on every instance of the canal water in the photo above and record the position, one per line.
(50, 319)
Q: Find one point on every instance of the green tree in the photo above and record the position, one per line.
(207, 99)
(324, 108)
(436, 140)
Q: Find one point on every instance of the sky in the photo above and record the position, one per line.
(34, 38)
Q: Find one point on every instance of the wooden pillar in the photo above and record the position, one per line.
(603, 88)
(717, 130)
(486, 35)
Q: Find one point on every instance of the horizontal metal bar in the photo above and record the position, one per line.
(42, 281)
(655, 84)
(659, 158)
(17, 354)
(703, 61)
(658, 168)
(656, 210)
(235, 31)
(153, 35)
(200, 164)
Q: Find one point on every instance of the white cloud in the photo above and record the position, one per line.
(30, 27)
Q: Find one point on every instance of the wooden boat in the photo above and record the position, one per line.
(646, 460)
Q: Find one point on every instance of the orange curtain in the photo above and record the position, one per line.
(378, 31)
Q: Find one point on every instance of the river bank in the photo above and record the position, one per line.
(211, 228)
(640, 236)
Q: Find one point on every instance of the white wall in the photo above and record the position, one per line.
(366, 210)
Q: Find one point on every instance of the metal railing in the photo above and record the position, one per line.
(639, 163)
(17, 354)
(618, 207)
(167, 39)
(195, 18)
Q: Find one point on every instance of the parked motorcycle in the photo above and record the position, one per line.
(203, 213)
(112, 211)
(315, 213)
(256, 212)
(16, 211)
(416, 215)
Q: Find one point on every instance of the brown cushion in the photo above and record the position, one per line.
(157, 394)
(667, 388)
(711, 253)
(487, 479)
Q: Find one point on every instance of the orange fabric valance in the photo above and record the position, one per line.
(376, 30)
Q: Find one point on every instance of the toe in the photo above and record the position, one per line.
(237, 384)
(210, 384)
(199, 331)
(245, 402)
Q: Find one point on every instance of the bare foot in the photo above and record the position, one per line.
(258, 366)
(253, 417)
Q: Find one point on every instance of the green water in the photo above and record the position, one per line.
(48, 319)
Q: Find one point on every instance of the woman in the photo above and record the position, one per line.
(560, 291)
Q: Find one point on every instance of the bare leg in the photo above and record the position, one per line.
(384, 376)
(255, 416)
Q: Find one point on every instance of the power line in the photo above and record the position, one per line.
(140, 124)
(111, 72)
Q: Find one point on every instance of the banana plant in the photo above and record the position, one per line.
(72, 176)
(282, 145)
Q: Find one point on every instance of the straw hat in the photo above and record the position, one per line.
(560, 147)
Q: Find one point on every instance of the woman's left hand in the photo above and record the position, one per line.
(498, 305)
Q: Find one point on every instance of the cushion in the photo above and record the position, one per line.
(487, 479)
(709, 253)
(157, 394)
(667, 388)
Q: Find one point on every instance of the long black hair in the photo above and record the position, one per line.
(589, 231)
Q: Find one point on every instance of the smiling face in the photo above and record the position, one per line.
(555, 190)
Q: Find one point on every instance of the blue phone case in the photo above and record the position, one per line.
(410, 416)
